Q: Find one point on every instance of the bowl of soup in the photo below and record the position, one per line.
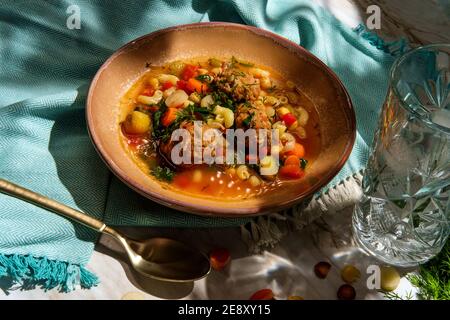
(220, 119)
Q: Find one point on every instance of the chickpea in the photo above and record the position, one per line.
(242, 172)
(137, 123)
(254, 181)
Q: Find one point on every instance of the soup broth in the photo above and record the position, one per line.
(221, 94)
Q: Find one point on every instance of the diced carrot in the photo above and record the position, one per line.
(189, 71)
(149, 91)
(167, 85)
(263, 294)
(291, 172)
(169, 116)
(196, 85)
(292, 160)
(219, 258)
(182, 85)
(298, 151)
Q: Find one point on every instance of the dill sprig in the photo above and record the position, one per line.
(433, 279)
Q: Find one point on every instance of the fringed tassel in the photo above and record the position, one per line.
(265, 232)
(394, 48)
(29, 272)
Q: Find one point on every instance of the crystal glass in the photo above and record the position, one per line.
(403, 216)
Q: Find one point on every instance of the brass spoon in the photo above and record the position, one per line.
(158, 258)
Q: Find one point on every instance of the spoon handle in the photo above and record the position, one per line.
(51, 205)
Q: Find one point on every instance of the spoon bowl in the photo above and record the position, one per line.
(159, 258)
(164, 258)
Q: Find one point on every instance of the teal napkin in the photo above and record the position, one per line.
(45, 68)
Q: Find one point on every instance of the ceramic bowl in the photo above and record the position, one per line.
(332, 102)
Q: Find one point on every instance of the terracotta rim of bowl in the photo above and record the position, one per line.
(210, 210)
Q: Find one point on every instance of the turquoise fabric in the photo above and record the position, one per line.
(44, 72)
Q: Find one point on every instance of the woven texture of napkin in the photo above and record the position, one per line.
(45, 69)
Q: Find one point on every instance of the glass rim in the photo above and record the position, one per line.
(393, 72)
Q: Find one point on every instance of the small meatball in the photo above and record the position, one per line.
(165, 148)
(240, 85)
(250, 115)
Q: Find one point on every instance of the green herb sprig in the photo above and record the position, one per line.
(163, 174)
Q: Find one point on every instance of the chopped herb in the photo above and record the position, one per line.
(204, 78)
(239, 73)
(246, 121)
(163, 173)
(303, 163)
(223, 99)
(158, 128)
(188, 113)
